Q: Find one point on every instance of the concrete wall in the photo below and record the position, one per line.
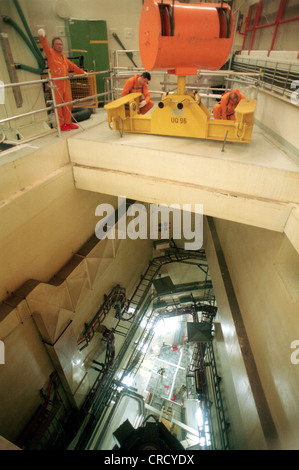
(264, 269)
(274, 115)
(31, 96)
(279, 118)
(287, 33)
(44, 218)
(49, 288)
(45, 337)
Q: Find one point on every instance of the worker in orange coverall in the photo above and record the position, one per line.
(59, 66)
(138, 84)
(225, 109)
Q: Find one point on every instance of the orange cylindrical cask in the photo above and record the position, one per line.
(183, 38)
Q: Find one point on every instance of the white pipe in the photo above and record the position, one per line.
(25, 114)
(45, 80)
(31, 82)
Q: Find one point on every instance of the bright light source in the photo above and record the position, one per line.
(203, 441)
(143, 347)
(128, 380)
(166, 325)
(199, 417)
(77, 362)
(143, 323)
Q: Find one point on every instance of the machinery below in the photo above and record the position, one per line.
(180, 114)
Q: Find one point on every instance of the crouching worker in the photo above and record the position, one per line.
(138, 84)
(225, 109)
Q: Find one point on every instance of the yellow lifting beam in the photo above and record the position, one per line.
(182, 115)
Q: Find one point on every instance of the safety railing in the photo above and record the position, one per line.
(119, 73)
(112, 82)
(276, 77)
(54, 106)
(255, 73)
(258, 74)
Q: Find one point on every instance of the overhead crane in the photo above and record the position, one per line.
(182, 38)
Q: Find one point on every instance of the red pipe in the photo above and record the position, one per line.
(255, 23)
(261, 26)
(246, 27)
(278, 21)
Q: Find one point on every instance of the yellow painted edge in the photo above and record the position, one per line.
(98, 42)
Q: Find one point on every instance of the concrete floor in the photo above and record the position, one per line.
(272, 156)
(29, 146)
(96, 129)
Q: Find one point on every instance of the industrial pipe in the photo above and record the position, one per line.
(38, 57)
(34, 45)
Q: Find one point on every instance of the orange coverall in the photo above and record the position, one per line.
(224, 109)
(59, 66)
(131, 86)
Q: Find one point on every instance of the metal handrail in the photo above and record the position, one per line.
(54, 106)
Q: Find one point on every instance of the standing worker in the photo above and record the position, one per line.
(138, 84)
(59, 66)
(225, 109)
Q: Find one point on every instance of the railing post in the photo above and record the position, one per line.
(52, 86)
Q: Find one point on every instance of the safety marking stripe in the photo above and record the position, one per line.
(98, 42)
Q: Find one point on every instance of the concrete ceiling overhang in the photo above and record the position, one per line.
(255, 184)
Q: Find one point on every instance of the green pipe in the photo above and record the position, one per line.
(19, 10)
(29, 69)
(11, 22)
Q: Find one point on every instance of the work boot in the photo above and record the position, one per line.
(72, 126)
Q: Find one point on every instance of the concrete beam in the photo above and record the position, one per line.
(237, 171)
(256, 184)
(246, 210)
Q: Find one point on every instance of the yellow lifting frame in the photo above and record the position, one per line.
(182, 115)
